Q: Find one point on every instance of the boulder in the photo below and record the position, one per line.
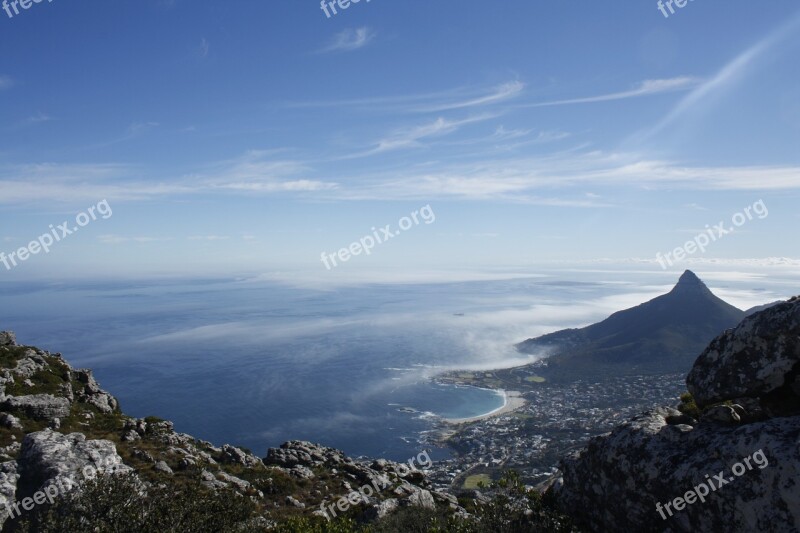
(47, 456)
(38, 406)
(758, 357)
(615, 483)
(7, 338)
(233, 455)
(8, 488)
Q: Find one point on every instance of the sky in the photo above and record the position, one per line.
(251, 137)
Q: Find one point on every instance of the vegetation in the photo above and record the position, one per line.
(476, 481)
(688, 406)
(121, 503)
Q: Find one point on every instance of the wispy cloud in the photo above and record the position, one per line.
(254, 172)
(350, 39)
(501, 93)
(728, 75)
(554, 179)
(119, 239)
(209, 238)
(6, 82)
(411, 137)
(432, 102)
(204, 48)
(38, 118)
(644, 88)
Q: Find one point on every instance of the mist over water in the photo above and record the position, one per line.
(256, 364)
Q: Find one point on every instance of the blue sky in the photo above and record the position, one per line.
(249, 137)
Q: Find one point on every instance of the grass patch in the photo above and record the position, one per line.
(472, 482)
(9, 355)
(535, 379)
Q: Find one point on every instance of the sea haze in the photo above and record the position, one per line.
(256, 363)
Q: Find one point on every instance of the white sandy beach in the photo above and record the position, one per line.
(512, 400)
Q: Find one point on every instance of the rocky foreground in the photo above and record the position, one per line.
(738, 435)
(57, 424)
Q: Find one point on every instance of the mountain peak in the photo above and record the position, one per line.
(689, 282)
(689, 277)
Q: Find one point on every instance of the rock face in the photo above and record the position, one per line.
(46, 456)
(7, 338)
(756, 359)
(8, 487)
(749, 455)
(397, 485)
(38, 406)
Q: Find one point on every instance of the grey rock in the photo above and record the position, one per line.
(301, 472)
(233, 455)
(8, 488)
(210, 480)
(615, 483)
(92, 394)
(143, 455)
(7, 338)
(382, 509)
(163, 467)
(38, 406)
(240, 484)
(130, 436)
(294, 502)
(303, 453)
(9, 421)
(751, 360)
(722, 414)
(187, 462)
(10, 451)
(29, 365)
(422, 498)
(46, 456)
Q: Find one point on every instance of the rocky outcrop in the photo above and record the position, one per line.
(754, 360)
(38, 406)
(91, 392)
(646, 475)
(7, 338)
(8, 487)
(47, 455)
(398, 485)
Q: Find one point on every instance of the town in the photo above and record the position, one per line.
(558, 419)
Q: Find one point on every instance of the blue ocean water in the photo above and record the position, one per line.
(258, 363)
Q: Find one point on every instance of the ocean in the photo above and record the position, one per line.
(256, 363)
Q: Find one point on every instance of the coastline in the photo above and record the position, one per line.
(512, 400)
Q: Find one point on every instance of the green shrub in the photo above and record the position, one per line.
(121, 503)
(688, 406)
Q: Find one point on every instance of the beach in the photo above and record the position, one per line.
(512, 400)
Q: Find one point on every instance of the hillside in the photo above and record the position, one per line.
(663, 335)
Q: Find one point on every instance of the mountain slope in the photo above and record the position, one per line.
(664, 334)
